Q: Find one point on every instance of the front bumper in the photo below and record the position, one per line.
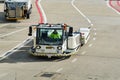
(21, 18)
(51, 54)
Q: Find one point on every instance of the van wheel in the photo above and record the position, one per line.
(82, 44)
(28, 16)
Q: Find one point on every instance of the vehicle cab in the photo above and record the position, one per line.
(44, 44)
(56, 39)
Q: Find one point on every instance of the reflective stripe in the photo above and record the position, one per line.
(44, 54)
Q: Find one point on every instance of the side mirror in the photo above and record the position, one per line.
(30, 31)
(70, 33)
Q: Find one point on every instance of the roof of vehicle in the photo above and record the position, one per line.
(50, 26)
(17, 0)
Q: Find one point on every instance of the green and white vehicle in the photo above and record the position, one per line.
(68, 43)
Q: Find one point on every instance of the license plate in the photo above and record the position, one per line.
(49, 47)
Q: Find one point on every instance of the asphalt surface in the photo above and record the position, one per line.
(99, 59)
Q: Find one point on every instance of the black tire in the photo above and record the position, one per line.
(28, 16)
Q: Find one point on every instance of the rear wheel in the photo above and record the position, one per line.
(28, 16)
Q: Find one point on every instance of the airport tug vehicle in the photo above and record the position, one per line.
(17, 9)
(66, 45)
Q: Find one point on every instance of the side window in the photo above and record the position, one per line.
(60, 32)
(44, 34)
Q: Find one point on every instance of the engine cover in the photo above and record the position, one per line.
(74, 41)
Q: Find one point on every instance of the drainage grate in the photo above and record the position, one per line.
(51, 76)
(47, 74)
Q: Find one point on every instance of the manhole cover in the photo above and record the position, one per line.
(50, 76)
(95, 77)
(55, 76)
(47, 74)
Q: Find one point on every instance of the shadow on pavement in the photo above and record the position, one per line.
(2, 17)
(22, 55)
(26, 57)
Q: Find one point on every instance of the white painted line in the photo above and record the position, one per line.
(2, 75)
(59, 70)
(13, 32)
(84, 52)
(44, 15)
(3, 56)
(26, 46)
(19, 50)
(0, 51)
(3, 25)
(95, 33)
(91, 24)
(90, 45)
(94, 29)
(11, 41)
(74, 60)
(112, 7)
(23, 43)
(89, 21)
(94, 39)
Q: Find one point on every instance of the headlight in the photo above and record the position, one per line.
(59, 47)
(38, 47)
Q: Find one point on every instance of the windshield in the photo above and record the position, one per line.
(12, 5)
(49, 36)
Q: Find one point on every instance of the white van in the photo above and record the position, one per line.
(2, 1)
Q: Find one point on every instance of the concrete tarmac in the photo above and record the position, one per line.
(99, 59)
